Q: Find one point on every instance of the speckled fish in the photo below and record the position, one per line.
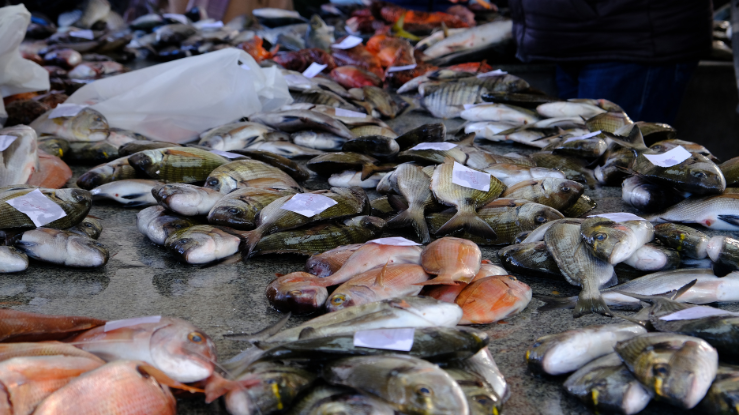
(141, 145)
(465, 199)
(679, 369)
(580, 267)
(426, 133)
(378, 284)
(90, 227)
(284, 148)
(328, 164)
(294, 169)
(722, 396)
(276, 387)
(249, 173)
(297, 120)
(373, 145)
(63, 248)
(451, 260)
(186, 199)
(105, 173)
(351, 178)
(129, 193)
(491, 299)
(556, 193)
(180, 165)
(366, 130)
(426, 389)
(608, 121)
(318, 140)
(557, 354)
(730, 170)
(233, 136)
(512, 174)
(583, 205)
(325, 399)
(381, 101)
(605, 384)
(414, 185)
(157, 223)
(91, 152)
(499, 113)
(647, 196)
(202, 244)
(329, 262)
(530, 258)
(447, 100)
(612, 172)
(76, 203)
(613, 242)
(569, 109)
(714, 212)
(240, 208)
(724, 252)
(87, 125)
(573, 168)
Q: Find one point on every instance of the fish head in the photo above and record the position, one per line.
(296, 292)
(704, 177)
(566, 192)
(182, 351)
(89, 252)
(92, 227)
(220, 183)
(146, 160)
(534, 215)
(372, 223)
(194, 246)
(233, 213)
(185, 198)
(215, 142)
(339, 301)
(90, 125)
(607, 239)
(74, 196)
(685, 380)
(424, 390)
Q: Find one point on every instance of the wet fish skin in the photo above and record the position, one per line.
(381, 101)
(492, 299)
(697, 175)
(180, 165)
(499, 113)
(387, 282)
(614, 242)
(722, 395)
(76, 203)
(295, 170)
(714, 212)
(87, 125)
(415, 186)
(233, 136)
(118, 169)
(12, 260)
(350, 178)
(651, 257)
(608, 121)
(589, 148)
(573, 168)
(96, 152)
(90, 227)
(687, 241)
(451, 260)
(63, 248)
(202, 244)
(512, 174)
(470, 39)
(569, 109)
(646, 196)
(556, 193)
(531, 258)
(140, 145)
(338, 162)
(583, 205)
(666, 145)
(56, 146)
(374, 145)
(719, 331)
(318, 140)
(426, 133)
(448, 100)
(239, 209)
(297, 120)
(366, 130)
(327, 263)
(186, 199)
(482, 365)
(277, 387)
(346, 401)
(724, 252)
(730, 170)
(129, 193)
(611, 172)
(296, 293)
(157, 224)
(249, 173)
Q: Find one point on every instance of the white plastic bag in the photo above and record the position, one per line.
(17, 74)
(176, 101)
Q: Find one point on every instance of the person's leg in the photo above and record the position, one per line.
(619, 82)
(665, 88)
(567, 82)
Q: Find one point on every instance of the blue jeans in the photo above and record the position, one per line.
(646, 92)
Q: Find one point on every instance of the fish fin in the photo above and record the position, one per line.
(683, 289)
(611, 282)
(368, 170)
(731, 219)
(133, 196)
(590, 301)
(161, 377)
(380, 280)
(250, 239)
(413, 104)
(470, 222)
(261, 334)
(445, 29)
(555, 303)
(467, 140)
(399, 31)
(631, 319)
(635, 139)
(412, 217)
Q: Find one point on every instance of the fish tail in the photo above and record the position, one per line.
(412, 216)
(250, 239)
(589, 302)
(635, 139)
(469, 221)
(555, 303)
(413, 104)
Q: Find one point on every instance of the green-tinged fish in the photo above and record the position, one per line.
(105, 173)
(55, 146)
(647, 196)
(488, 377)
(557, 354)
(411, 385)
(569, 109)
(319, 34)
(723, 396)
(318, 140)
(678, 369)
(608, 121)
(12, 260)
(276, 388)
(157, 223)
(141, 145)
(612, 172)
(87, 125)
(239, 209)
(500, 113)
(666, 145)
(382, 208)
(186, 199)
(426, 133)
(76, 203)
(556, 193)
(447, 100)
(614, 242)
(730, 170)
(381, 101)
(331, 163)
(249, 173)
(572, 145)
(333, 400)
(606, 385)
(521, 99)
(202, 244)
(580, 267)
(688, 241)
(91, 152)
(583, 205)
(530, 258)
(90, 227)
(366, 130)
(481, 398)
(179, 165)
(129, 193)
(63, 248)
(372, 145)
(724, 252)
(466, 200)
(298, 120)
(119, 137)
(573, 168)
(233, 136)
(714, 212)
(414, 186)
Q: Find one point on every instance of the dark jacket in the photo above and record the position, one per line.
(648, 31)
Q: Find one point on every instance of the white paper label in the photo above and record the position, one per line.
(226, 154)
(496, 72)
(211, 25)
(467, 177)
(39, 208)
(618, 216)
(348, 42)
(670, 158)
(401, 68)
(308, 204)
(66, 110)
(340, 112)
(349, 30)
(245, 66)
(6, 141)
(387, 339)
(176, 17)
(313, 70)
(119, 324)
(83, 34)
(297, 80)
(434, 146)
(582, 137)
(394, 240)
(696, 312)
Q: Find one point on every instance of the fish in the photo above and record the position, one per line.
(119, 137)
(415, 187)
(569, 109)
(425, 133)
(157, 223)
(350, 178)
(646, 196)
(492, 131)
(570, 144)
(297, 120)
(689, 242)
(721, 397)
(612, 171)
(609, 121)
(499, 113)
(378, 284)
(380, 100)
(329, 262)
(22, 326)
(285, 149)
(583, 205)
(351, 76)
(713, 212)
(249, 173)
(255, 48)
(605, 384)
(90, 227)
(140, 145)
(724, 252)
(354, 119)
(449, 293)
(12, 260)
(678, 369)
(613, 242)
(276, 387)
(202, 244)
(54, 146)
(180, 165)
(87, 125)
(465, 199)
(52, 173)
(186, 199)
(566, 352)
(240, 208)
(422, 386)
(63, 248)
(666, 145)
(21, 158)
(447, 100)
(129, 193)
(580, 267)
(296, 292)
(319, 34)
(294, 169)
(328, 84)
(730, 170)
(531, 258)
(324, 399)
(451, 260)
(556, 193)
(95, 152)
(488, 378)
(318, 140)
(469, 41)
(366, 130)
(112, 171)
(492, 299)
(372, 145)
(319, 96)
(328, 164)
(573, 168)
(76, 203)
(654, 258)
(233, 136)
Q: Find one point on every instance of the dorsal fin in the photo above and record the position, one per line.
(380, 280)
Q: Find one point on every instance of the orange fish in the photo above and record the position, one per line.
(493, 298)
(298, 292)
(452, 260)
(300, 60)
(360, 57)
(472, 67)
(378, 284)
(416, 21)
(353, 77)
(50, 348)
(397, 79)
(254, 48)
(19, 326)
(391, 51)
(53, 173)
(326, 263)
(449, 293)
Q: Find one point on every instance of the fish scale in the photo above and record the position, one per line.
(76, 203)
(448, 100)
(183, 165)
(249, 173)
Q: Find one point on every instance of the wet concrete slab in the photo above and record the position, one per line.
(143, 279)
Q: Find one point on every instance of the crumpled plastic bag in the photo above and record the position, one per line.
(178, 100)
(17, 75)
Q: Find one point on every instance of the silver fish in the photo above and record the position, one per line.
(512, 174)
(87, 125)
(615, 241)
(318, 140)
(156, 223)
(286, 149)
(415, 186)
(297, 120)
(186, 199)
(234, 136)
(351, 178)
(63, 248)
(129, 193)
(499, 113)
(12, 260)
(714, 212)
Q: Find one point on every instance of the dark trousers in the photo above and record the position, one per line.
(646, 92)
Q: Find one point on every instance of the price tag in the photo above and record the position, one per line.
(83, 34)
(582, 137)
(618, 216)
(66, 110)
(670, 158)
(496, 72)
(119, 324)
(211, 25)
(386, 339)
(394, 240)
(467, 177)
(245, 66)
(401, 68)
(313, 70)
(340, 112)
(176, 17)
(696, 312)
(226, 154)
(6, 141)
(39, 208)
(349, 30)
(308, 204)
(348, 42)
(297, 80)
(434, 146)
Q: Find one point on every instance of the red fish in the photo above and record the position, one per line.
(301, 60)
(480, 67)
(360, 57)
(463, 13)
(353, 77)
(254, 48)
(397, 79)
(53, 173)
(362, 21)
(449, 293)
(416, 21)
(492, 299)
(17, 326)
(391, 51)
(452, 260)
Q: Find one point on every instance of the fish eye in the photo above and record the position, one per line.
(601, 236)
(233, 211)
(196, 337)
(338, 299)
(184, 240)
(423, 391)
(540, 219)
(212, 182)
(295, 293)
(565, 188)
(699, 174)
(660, 370)
(483, 400)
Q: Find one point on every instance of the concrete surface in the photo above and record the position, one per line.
(142, 279)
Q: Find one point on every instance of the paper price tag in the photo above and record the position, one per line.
(349, 30)
(582, 137)
(394, 240)
(176, 17)
(401, 68)
(313, 70)
(308, 204)
(386, 339)
(226, 154)
(618, 216)
(83, 34)
(348, 42)
(297, 80)
(39, 208)
(496, 72)
(66, 110)
(6, 141)
(211, 25)
(467, 177)
(670, 158)
(696, 312)
(434, 146)
(340, 112)
(119, 324)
